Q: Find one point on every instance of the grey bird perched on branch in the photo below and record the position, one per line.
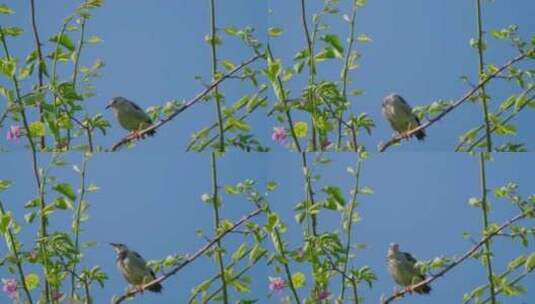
(399, 114)
(130, 116)
(401, 267)
(134, 268)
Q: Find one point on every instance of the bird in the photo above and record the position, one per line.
(134, 268)
(399, 114)
(130, 116)
(401, 266)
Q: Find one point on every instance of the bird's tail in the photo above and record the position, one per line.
(423, 290)
(420, 135)
(155, 287)
(151, 132)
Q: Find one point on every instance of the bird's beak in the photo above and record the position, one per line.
(114, 244)
(107, 107)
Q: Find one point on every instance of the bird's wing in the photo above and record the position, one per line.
(405, 107)
(139, 259)
(410, 258)
(140, 113)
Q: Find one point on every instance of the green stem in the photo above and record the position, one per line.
(218, 249)
(217, 97)
(485, 210)
(481, 67)
(43, 233)
(312, 70)
(352, 207)
(77, 220)
(12, 245)
(285, 102)
(345, 74)
(309, 193)
(41, 64)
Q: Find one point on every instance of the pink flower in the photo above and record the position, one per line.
(13, 133)
(278, 135)
(56, 296)
(10, 288)
(324, 295)
(276, 285)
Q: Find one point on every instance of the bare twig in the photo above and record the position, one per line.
(457, 103)
(189, 260)
(465, 256)
(188, 104)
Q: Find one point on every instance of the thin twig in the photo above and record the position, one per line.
(309, 192)
(349, 229)
(189, 260)
(218, 249)
(77, 219)
(457, 103)
(485, 211)
(41, 64)
(465, 256)
(285, 102)
(312, 69)
(217, 97)
(481, 69)
(188, 104)
(43, 233)
(345, 73)
(12, 245)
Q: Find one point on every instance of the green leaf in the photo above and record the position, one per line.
(273, 219)
(530, 263)
(275, 31)
(5, 220)
(8, 67)
(62, 203)
(12, 31)
(66, 190)
(4, 185)
(298, 279)
(228, 65)
(301, 129)
(37, 129)
(4, 9)
(334, 41)
(63, 40)
(94, 40)
(271, 186)
(364, 38)
(32, 281)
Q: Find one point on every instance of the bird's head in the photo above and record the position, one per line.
(393, 249)
(390, 99)
(118, 247)
(117, 102)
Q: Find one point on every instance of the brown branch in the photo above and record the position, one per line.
(189, 260)
(188, 104)
(457, 103)
(458, 261)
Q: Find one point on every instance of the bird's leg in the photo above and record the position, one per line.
(409, 289)
(404, 135)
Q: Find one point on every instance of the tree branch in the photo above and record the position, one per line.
(189, 260)
(188, 104)
(458, 261)
(398, 138)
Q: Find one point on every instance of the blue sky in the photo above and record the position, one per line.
(153, 51)
(154, 206)
(420, 50)
(150, 195)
